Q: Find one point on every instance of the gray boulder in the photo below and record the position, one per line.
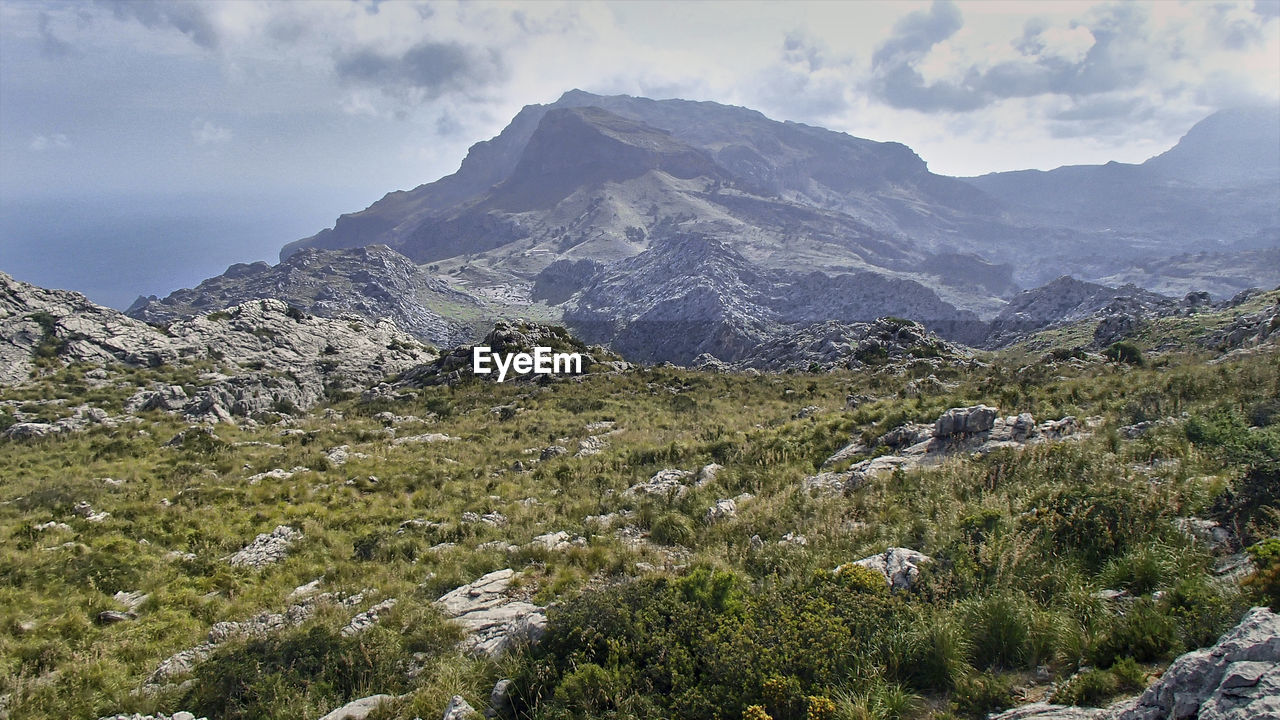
(965, 421)
(899, 566)
(459, 709)
(1237, 678)
(359, 709)
(493, 619)
(267, 548)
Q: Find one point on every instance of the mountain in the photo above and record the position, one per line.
(1217, 190)
(374, 282)
(601, 178)
(688, 295)
(673, 228)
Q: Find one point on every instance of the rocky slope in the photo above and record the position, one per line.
(1218, 189)
(1067, 300)
(270, 357)
(374, 282)
(1239, 677)
(692, 294)
(573, 210)
(832, 345)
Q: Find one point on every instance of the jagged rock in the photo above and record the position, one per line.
(826, 483)
(1046, 711)
(500, 700)
(494, 621)
(85, 510)
(1204, 531)
(664, 483)
(342, 454)
(1248, 330)
(853, 402)
(965, 421)
(159, 397)
(267, 548)
(553, 541)
(371, 282)
(459, 709)
(553, 451)
(899, 566)
(591, 445)
(263, 623)
(368, 618)
(691, 294)
(424, 438)
(52, 525)
(279, 359)
(708, 473)
(1067, 300)
(359, 709)
(1116, 326)
(1239, 677)
(130, 600)
(30, 430)
(507, 337)
(1023, 427)
(111, 617)
(722, 510)
(906, 435)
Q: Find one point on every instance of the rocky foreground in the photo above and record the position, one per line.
(1236, 679)
(261, 356)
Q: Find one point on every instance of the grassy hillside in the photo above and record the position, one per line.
(663, 614)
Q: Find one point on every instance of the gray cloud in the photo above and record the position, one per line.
(51, 45)
(895, 78)
(1105, 67)
(430, 69)
(188, 18)
(914, 35)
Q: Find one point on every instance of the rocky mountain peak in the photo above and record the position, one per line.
(584, 146)
(1238, 146)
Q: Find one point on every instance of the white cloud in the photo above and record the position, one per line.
(52, 141)
(204, 132)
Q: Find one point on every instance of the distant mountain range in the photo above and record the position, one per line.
(672, 228)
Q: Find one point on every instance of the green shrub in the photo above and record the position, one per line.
(861, 579)
(1088, 687)
(1266, 578)
(589, 691)
(819, 708)
(999, 627)
(939, 652)
(1124, 352)
(1095, 523)
(1203, 609)
(672, 528)
(980, 694)
(1141, 571)
(756, 712)
(1093, 686)
(1144, 632)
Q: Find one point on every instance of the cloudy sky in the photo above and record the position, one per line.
(320, 107)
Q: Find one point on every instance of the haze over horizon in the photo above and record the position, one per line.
(215, 133)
